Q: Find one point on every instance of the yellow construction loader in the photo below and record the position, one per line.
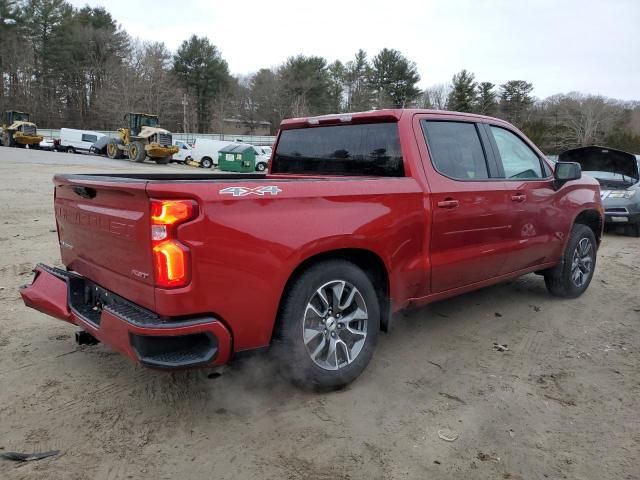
(18, 131)
(142, 138)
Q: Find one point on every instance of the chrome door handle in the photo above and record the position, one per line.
(520, 197)
(449, 203)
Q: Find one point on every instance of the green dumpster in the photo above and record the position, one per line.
(237, 158)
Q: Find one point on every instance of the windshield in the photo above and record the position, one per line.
(20, 117)
(149, 121)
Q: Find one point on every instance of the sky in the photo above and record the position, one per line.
(560, 46)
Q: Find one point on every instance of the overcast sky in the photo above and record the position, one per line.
(559, 46)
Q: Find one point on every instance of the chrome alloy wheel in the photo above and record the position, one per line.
(334, 326)
(582, 262)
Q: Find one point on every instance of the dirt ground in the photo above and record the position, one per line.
(562, 402)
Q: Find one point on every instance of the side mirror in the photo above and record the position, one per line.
(565, 172)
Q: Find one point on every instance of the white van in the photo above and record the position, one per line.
(205, 151)
(72, 140)
(185, 153)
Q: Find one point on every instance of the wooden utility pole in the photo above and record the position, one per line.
(184, 113)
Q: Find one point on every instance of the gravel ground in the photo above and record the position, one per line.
(562, 402)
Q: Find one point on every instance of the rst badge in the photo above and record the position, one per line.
(244, 191)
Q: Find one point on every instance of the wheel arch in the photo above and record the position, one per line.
(592, 218)
(367, 260)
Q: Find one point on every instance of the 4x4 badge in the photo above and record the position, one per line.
(244, 191)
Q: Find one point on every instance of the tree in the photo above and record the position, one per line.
(515, 100)
(393, 80)
(306, 86)
(202, 71)
(337, 74)
(267, 98)
(486, 100)
(357, 85)
(462, 97)
(436, 96)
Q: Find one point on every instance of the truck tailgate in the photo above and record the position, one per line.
(104, 233)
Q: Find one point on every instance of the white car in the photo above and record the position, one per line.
(48, 143)
(262, 158)
(72, 140)
(185, 153)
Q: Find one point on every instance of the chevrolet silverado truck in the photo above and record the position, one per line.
(359, 216)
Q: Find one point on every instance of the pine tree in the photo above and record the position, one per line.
(462, 97)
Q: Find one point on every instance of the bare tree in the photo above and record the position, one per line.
(436, 96)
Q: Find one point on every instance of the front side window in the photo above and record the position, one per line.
(89, 138)
(455, 149)
(371, 149)
(518, 160)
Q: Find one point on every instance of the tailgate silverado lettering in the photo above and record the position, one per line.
(95, 221)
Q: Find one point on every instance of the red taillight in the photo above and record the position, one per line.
(171, 259)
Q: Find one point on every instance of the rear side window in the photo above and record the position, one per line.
(455, 149)
(370, 149)
(518, 160)
(89, 138)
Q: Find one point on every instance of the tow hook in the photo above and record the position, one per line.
(84, 338)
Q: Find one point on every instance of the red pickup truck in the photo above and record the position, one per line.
(360, 215)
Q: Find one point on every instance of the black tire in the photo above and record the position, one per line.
(8, 140)
(290, 349)
(633, 230)
(136, 152)
(161, 160)
(70, 150)
(206, 162)
(261, 167)
(562, 281)
(113, 151)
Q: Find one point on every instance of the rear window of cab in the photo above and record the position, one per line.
(371, 149)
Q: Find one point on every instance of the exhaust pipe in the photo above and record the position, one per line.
(84, 338)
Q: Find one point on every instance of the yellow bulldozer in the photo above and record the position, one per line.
(142, 138)
(18, 130)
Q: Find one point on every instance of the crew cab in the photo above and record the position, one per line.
(360, 215)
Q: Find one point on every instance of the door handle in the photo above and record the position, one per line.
(519, 197)
(448, 203)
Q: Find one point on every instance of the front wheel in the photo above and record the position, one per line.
(572, 277)
(162, 160)
(137, 153)
(329, 326)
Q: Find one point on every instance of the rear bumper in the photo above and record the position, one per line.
(128, 328)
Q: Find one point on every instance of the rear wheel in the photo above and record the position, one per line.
(70, 150)
(206, 162)
(113, 151)
(137, 152)
(572, 277)
(261, 167)
(329, 326)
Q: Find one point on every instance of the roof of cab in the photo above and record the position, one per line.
(371, 116)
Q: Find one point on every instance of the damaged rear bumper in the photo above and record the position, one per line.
(126, 327)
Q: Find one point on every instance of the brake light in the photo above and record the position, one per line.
(171, 259)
